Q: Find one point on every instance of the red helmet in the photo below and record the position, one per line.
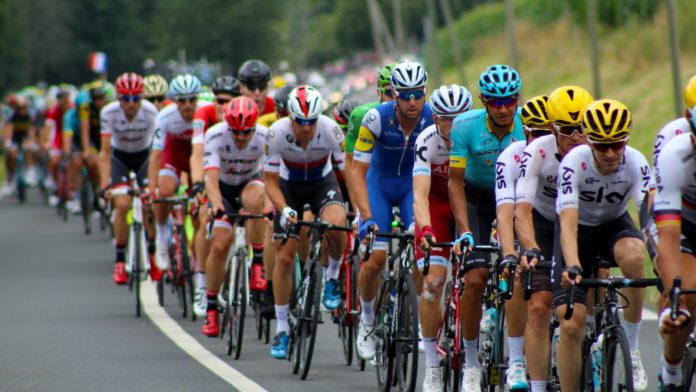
(130, 83)
(241, 113)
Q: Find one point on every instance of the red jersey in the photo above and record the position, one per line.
(204, 118)
(54, 118)
(268, 107)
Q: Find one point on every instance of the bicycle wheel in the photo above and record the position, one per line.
(309, 320)
(587, 378)
(239, 301)
(688, 369)
(617, 372)
(407, 336)
(355, 309)
(384, 350)
(345, 324)
(86, 203)
(136, 268)
(500, 361)
(297, 304)
(160, 292)
(451, 370)
(187, 275)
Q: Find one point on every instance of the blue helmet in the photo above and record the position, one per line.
(82, 97)
(500, 81)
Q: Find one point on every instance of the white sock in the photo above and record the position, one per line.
(334, 268)
(538, 386)
(161, 233)
(367, 311)
(671, 374)
(432, 359)
(200, 280)
(632, 332)
(471, 354)
(516, 347)
(282, 318)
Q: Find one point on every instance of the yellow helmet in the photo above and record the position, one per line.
(690, 93)
(606, 121)
(566, 105)
(533, 112)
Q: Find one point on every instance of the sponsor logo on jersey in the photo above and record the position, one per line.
(599, 196)
(420, 153)
(542, 153)
(366, 140)
(591, 180)
(566, 176)
(500, 182)
(457, 162)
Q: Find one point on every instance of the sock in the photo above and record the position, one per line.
(200, 280)
(120, 252)
(471, 354)
(212, 300)
(431, 357)
(671, 372)
(632, 332)
(538, 386)
(516, 347)
(258, 253)
(334, 268)
(161, 233)
(282, 318)
(367, 311)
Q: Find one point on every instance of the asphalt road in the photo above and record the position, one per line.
(64, 326)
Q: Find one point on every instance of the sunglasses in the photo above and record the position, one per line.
(537, 132)
(614, 146)
(261, 86)
(190, 99)
(568, 130)
(446, 118)
(501, 102)
(130, 98)
(243, 132)
(407, 95)
(158, 98)
(302, 122)
(222, 101)
(388, 92)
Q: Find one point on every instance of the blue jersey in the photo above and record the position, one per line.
(381, 142)
(71, 123)
(476, 149)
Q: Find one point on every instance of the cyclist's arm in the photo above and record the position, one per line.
(153, 167)
(45, 134)
(271, 170)
(457, 197)
(669, 253)
(84, 112)
(197, 152)
(67, 142)
(505, 215)
(212, 189)
(524, 225)
(569, 236)
(105, 160)
(9, 130)
(68, 132)
(421, 205)
(273, 190)
(362, 156)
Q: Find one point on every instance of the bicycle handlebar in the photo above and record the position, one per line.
(611, 283)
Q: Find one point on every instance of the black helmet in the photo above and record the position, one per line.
(227, 85)
(254, 71)
(341, 112)
(281, 98)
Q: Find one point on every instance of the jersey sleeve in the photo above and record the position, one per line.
(528, 180)
(106, 123)
(367, 136)
(459, 151)
(421, 164)
(505, 173)
(68, 128)
(211, 156)
(199, 124)
(272, 158)
(160, 131)
(643, 181)
(568, 179)
(337, 154)
(669, 183)
(354, 123)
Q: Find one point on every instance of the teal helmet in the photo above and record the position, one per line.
(500, 81)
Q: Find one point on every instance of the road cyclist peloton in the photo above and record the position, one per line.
(478, 137)
(234, 154)
(596, 183)
(224, 89)
(298, 170)
(383, 163)
(433, 216)
(127, 130)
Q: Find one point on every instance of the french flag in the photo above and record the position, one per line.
(97, 62)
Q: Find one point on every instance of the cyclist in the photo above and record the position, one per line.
(280, 100)
(225, 88)
(254, 76)
(478, 137)
(675, 173)
(535, 216)
(127, 130)
(171, 153)
(155, 89)
(384, 157)
(72, 148)
(53, 126)
(384, 94)
(233, 161)
(90, 129)
(298, 171)
(341, 114)
(19, 130)
(431, 200)
(596, 183)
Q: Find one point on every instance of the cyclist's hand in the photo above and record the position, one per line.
(288, 216)
(529, 258)
(572, 275)
(423, 235)
(365, 226)
(506, 263)
(467, 239)
(668, 326)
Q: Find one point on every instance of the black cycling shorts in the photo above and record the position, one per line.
(544, 233)
(481, 212)
(232, 194)
(123, 162)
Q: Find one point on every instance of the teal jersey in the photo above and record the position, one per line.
(475, 148)
(71, 123)
(356, 117)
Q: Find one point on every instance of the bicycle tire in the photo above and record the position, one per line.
(226, 307)
(451, 364)
(345, 325)
(136, 269)
(239, 304)
(617, 370)
(500, 361)
(407, 336)
(311, 320)
(86, 204)
(187, 274)
(355, 310)
(587, 377)
(160, 292)
(258, 320)
(297, 302)
(384, 351)
(688, 369)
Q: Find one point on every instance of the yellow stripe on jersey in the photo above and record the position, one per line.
(366, 140)
(457, 162)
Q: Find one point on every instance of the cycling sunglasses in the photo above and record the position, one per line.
(158, 98)
(243, 132)
(222, 101)
(261, 86)
(614, 146)
(568, 130)
(187, 99)
(537, 132)
(407, 95)
(501, 102)
(387, 91)
(130, 98)
(302, 122)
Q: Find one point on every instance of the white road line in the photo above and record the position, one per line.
(190, 345)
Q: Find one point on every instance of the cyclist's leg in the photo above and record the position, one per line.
(328, 204)
(220, 246)
(167, 182)
(10, 163)
(121, 205)
(253, 199)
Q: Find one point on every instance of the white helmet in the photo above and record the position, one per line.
(450, 100)
(305, 103)
(408, 75)
(185, 84)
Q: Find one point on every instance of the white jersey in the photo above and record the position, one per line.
(432, 159)
(170, 124)
(236, 166)
(285, 156)
(599, 198)
(675, 175)
(507, 172)
(538, 182)
(667, 133)
(129, 136)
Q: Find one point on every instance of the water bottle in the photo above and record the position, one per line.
(596, 351)
(554, 347)
(488, 321)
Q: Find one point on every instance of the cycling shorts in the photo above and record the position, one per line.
(232, 198)
(481, 211)
(318, 194)
(594, 243)
(18, 138)
(384, 194)
(123, 162)
(442, 223)
(544, 231)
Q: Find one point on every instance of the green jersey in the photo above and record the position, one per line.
(356, 117)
